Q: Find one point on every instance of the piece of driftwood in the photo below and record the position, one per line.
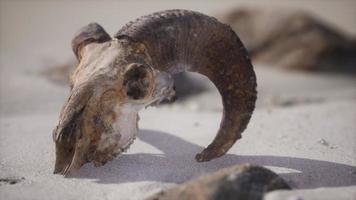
(292, 39)
(116, 77)
(238, 182)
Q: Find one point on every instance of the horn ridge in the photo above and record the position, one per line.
(179, 40)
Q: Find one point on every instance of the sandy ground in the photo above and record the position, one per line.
(303, 128)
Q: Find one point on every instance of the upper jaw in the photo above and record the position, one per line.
(124, 128)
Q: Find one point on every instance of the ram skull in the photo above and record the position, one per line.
(118, 76)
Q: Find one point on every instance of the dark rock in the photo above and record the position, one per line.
(238, 182)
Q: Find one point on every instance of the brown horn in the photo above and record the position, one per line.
(92, 32)
(181, 40)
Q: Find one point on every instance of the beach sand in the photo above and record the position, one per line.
(303, 127)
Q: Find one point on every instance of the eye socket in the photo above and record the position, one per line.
(70, 150)
(136, 81)
(135, 73)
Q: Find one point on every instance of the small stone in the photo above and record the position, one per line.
(323, 142)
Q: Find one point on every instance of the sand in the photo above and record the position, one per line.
(303, 127)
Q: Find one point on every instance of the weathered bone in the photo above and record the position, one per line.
(135, 69)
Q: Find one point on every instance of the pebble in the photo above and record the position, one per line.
(323, 142)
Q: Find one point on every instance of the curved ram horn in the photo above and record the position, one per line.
(92, 32)
(181, 40)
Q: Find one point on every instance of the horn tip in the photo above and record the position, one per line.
(206, 156)
(200, 158)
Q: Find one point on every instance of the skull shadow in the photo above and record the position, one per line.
(178, 165)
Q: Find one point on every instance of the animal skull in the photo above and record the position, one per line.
(116, 77)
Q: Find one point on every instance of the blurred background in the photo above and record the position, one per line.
(303, 51)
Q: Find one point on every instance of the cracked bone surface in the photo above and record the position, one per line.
(116, 77)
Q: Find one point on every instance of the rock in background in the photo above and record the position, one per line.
(238, 182)
(292, 39)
